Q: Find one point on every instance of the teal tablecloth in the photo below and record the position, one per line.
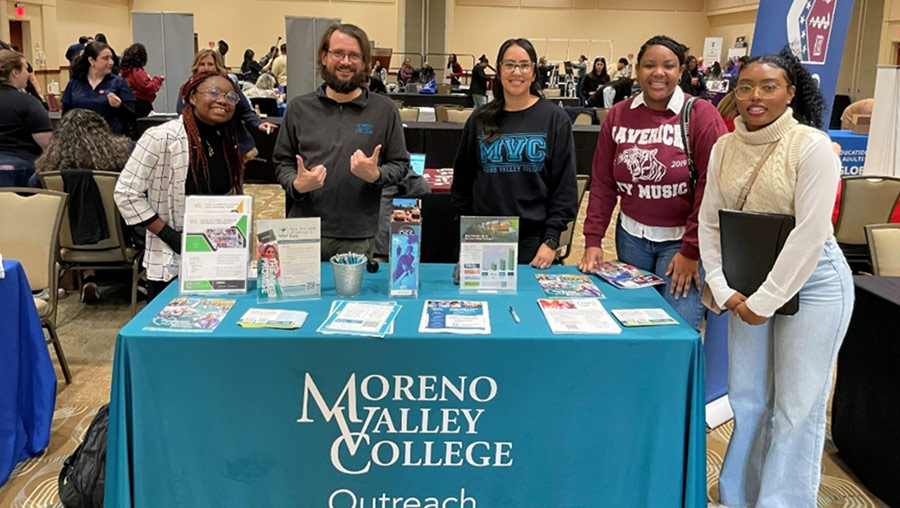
(559, 421)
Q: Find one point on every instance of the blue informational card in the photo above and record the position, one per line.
(406, 236)
(417, 161)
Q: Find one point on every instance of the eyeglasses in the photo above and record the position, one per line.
(765, 91)
(510, 66)
(339, 55)
(216, 94)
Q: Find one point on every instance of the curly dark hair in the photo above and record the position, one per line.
(82, 140)
(662, 40)
(808, 103)
(134, 57)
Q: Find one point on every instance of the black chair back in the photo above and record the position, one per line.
(267, 105)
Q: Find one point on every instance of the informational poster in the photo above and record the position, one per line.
(577, 316)
(488, 254)
(406, 242)
(712, 50)
(455, 316)
(215, 250)
(288, 259)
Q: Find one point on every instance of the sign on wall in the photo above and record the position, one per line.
(712, 50)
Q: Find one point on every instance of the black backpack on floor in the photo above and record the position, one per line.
(83, 476)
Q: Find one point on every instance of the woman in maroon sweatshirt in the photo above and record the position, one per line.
(641, 159)
(144, 87)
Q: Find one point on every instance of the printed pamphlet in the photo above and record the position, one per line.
(578, 316)
(488, 254)
(568, 286)
(273, 318)
(625, 276)
(191, 314)
(406, 241)
(215, 251)
(455, 316)
(288, 255)
(368, 319)
(643, 317)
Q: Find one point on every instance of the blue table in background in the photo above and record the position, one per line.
(560, 421)
(27, 378)
(853, 151)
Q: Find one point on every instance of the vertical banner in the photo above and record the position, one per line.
(815, 30)
(882, 157)
(712, 50)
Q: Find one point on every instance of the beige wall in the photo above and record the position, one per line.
(890, 33)
(731, 26)
(88, 17)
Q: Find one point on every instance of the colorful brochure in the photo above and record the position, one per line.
(578, 316)
(643, 317)
(568, 286)
(191, 314)
(288, 259)
(368, 319)
(215, 251)
(455, 316)
(625, 276)
(488, 254)
(406, 241)
(273, 318)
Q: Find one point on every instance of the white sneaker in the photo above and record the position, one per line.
(713, 504)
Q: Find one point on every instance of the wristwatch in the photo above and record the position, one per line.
(553, 243)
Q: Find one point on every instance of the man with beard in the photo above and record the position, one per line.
(339, 145)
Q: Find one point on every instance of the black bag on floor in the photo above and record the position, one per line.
(83, 476)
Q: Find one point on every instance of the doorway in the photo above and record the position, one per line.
(15, 35)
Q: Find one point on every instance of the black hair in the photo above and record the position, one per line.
(100, 37)
(81, 65)
(284, 48)
(83, 40)
(667, 42)
(624, 61)
(486, 116)
(808, 103)
(249, 54)
(744, 60)
(594, 69)
(134, 57)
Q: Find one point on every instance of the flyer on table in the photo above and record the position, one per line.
(488, 254)
(215, 250)
(577, 316)
(455, 316)
(288, 255)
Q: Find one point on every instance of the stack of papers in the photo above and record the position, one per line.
(625, 276)
(273, 318)
(191, 314)
(643, 317)
(366, 319)
(455, 316)
(572, 286)
(578, 316)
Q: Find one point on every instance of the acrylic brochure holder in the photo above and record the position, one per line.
(488, 254)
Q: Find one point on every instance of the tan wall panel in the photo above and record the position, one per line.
(489, 3)
(731, 26)
(652, 5)
(584, 4)
(550, 4)
(892, 10)
(87, 17)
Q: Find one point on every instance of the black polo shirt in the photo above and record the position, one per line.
(21, 115)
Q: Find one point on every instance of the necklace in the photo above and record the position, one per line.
(209, 148)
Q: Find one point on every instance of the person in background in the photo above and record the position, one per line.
(145, 88)
(780, 368)
(660, 197)
(25, 128)
(742, 61)
(580, 67)
(222, 48)
(279, 67)
(379, 72)
(196, 153)
(265, 87)
(454, 70)
(537, 185)
(692, 81)
(544, 71)
(250, 68)
(266, 60)
(730, 71)
(406, 72)
(340, 145)
(375, 85)
(595, 79)
(478, 85)
(75, 50)
(623, 69)
(715, 72)
(426, 73)
(860, 107)
(94, 87)
(102, 38)
(727, 109)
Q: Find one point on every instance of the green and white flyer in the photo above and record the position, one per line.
(215, 250)
(488, 254)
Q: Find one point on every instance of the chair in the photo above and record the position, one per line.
(583, 119)
(29, 233)
(552, 92)
(864, 201)
(409, 114)
(267, 105)
(110, 254)
(444, 88)
(459, 115)
(884, 245)
(565, 239)
(440, 113)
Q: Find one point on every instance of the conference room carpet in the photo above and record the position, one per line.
(88, 334)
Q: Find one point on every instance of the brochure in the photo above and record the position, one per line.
(191, 314)
(288, 255)
(455, 316)
(215, 251)
(368, 319)
(406, 240)
(568, 286)
(488, 253)
(643, 317)
(273, 318)
(578, 316)
(625, 276)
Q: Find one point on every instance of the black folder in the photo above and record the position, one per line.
(751, 242)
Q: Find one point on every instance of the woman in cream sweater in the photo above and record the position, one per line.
(780, 367)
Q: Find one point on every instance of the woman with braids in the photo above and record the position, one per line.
(194, 154)
(517, 158)
(780, 367)
(641, 158)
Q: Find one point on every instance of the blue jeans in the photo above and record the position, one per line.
(16, 172)
(655, 257)
(779, 378)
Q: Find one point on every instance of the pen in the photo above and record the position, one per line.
(515, 316)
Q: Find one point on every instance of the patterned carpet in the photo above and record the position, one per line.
(88, 334)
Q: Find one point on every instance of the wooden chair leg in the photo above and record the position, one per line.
(63, 363)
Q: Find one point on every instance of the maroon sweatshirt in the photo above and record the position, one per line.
(143, 86)
(640, 158)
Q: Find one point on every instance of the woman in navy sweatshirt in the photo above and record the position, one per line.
(517, 158)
